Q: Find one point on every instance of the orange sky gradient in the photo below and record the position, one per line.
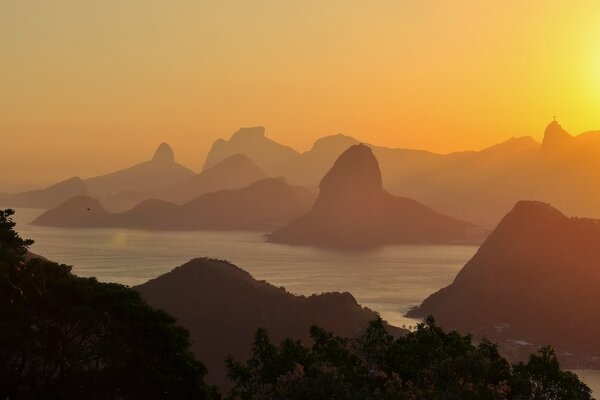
(88, 87)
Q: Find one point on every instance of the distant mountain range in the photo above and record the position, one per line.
(223, 306)
(263, 205)
(159, 172)
(354, 209)
(477, 186)
(159, 178)
(48, 197)
(269, 155)
(534, 281)
(233, 172)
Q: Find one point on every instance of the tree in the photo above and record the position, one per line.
(425, 364)
(66, 337)
(542, 379)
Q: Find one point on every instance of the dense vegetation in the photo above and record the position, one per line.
(66, 337)
(425, 364)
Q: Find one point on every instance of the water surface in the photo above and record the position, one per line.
(388, 279)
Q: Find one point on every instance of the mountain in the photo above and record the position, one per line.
(222, 306)
(397, 164)
(269, 155)
(354, 209)
(7, 187)
(307, 168)
(534, 280)
(479, 186)
(556, 139)
(159, 172)
(483, 186)
(234, 172)
(262, 205)
(48, 197)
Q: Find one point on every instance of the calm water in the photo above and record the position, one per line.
(389, 279)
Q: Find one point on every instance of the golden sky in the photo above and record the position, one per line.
(90, 86)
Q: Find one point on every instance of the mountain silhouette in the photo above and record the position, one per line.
(223, 305)
(477, 186)
(555, 138)
(269, 155)
(233, 172)
(534, 279)
(262, 205)
(354, 209)
(306, 169)
(164, 154)
(48, 197)
(159, 172)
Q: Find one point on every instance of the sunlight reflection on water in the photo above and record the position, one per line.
(388, 279)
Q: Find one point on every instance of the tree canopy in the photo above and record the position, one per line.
(425, 364)
(66, 337)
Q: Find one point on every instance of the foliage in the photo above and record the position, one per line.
(425, 364)
(66, 337)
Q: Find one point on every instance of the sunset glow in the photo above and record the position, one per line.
(120, 77)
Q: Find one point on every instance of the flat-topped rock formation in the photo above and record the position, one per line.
(269, 155)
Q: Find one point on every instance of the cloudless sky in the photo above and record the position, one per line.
(90, 86)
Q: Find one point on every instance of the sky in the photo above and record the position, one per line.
(87, 87)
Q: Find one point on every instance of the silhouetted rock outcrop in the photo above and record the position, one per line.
(78, 211)
(164, 154)
(46, 198)
(262, 205)
(159, 172)
(234, 172)
(354, 209)
(269, 155)
(535, 279)
(477, 186)
(222, 306)
(555, 138)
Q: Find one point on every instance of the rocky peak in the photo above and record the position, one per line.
(555, 137)
(164, 154)
(353, 184)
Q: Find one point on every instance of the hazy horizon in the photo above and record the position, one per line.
(199, 161)
(87, 80)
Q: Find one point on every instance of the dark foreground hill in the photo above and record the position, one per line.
(354, 209)
(223, 306)
(263, 205)
(535, 279)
